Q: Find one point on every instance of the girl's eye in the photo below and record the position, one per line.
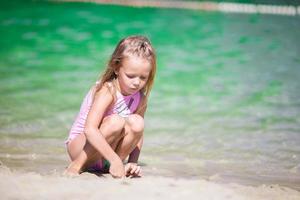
(130, 76)
(133, 76)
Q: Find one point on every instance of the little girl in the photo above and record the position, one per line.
(110, 124)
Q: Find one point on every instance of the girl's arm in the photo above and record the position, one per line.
(102, 101)
(134, 155)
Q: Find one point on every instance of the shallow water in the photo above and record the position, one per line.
(225, 105)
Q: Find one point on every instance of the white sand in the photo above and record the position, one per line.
(25, 185)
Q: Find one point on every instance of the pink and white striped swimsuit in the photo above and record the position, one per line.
(124, 106)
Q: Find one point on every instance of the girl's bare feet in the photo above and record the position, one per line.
(72, 171)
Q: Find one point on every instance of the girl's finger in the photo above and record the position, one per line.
(133, 169)
(140, 171)
(127, 171)
(137, 171)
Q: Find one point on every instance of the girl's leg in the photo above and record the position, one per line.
(134, 128)
(82, 152)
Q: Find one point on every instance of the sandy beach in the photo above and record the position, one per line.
(30, 185)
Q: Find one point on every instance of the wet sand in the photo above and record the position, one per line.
(30, 185)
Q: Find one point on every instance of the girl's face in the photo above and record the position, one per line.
(133, 74)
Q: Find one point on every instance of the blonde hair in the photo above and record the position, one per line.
(139, 46)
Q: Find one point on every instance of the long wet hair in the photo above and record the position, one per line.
(138, 46)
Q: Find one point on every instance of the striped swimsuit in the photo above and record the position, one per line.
(123, 106)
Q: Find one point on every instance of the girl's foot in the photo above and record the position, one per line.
(71, 171)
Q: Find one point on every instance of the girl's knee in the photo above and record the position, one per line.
(115, 123)
(136, 123)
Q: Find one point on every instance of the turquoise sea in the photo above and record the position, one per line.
(226, 100)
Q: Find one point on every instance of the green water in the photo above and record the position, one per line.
(266, 2)
(226, 99)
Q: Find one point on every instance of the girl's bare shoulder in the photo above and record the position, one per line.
(104, 92)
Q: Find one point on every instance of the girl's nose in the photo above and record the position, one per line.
(136, 82)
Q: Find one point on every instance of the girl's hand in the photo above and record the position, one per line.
(116, 169)
(132, 170)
